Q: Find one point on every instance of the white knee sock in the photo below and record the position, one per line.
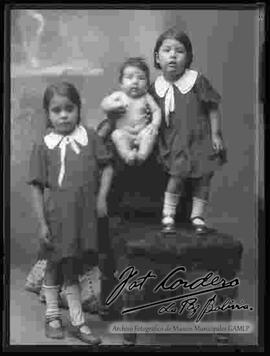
(170, 204)
(73, 296)
(198, 209)
(52, 307)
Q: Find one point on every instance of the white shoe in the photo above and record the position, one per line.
(167, 220)
(199, 225)
(168, 224)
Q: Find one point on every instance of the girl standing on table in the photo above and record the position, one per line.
(190, 139)
(68, 161)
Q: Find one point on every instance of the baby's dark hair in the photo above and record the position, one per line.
(181, 37)
(137, 62)
(64, 89)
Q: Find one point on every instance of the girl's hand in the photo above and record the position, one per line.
(101, 207)
(217, 143)
(45, 235)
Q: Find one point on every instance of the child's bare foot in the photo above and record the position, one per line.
(140, 158)
(130, 162)
(139, 161)
(130, 158)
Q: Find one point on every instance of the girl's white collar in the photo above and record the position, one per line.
(185, 83)
(79, 135)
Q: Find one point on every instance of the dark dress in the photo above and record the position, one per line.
(185, 147)
(71, 208)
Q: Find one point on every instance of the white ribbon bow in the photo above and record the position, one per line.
(184, 84)
(53, 139)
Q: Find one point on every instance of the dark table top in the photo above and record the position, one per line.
(213, 250)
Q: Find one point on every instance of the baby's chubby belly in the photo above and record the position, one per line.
(135, 114)
(135, 122)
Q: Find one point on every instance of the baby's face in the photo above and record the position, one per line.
(134, 82)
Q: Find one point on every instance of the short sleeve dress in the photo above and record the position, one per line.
(70, 208)
(185, 147)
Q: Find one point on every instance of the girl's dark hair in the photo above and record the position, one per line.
(180, 36)
(64, 89)
(137, 62)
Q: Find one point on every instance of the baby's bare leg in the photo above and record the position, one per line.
(123, 143)
(146, 142)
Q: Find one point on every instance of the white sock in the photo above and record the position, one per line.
(170, 204)
(51, 297)
(73, 296)
(198, 210)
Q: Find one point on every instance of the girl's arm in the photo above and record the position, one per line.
(216, 134)
(156, 112)
(105, 184)
(38, 203)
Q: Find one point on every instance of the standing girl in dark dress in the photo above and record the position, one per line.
(190, 141)
(67, 161)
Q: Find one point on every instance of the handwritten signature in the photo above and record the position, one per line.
(210, 282)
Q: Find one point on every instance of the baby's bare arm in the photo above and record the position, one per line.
(114, 102)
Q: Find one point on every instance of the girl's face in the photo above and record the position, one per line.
(172, 58)
(63, 114)
(134, 82)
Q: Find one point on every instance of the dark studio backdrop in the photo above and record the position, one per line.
(90, 45)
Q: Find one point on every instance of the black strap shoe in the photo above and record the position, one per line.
(199, 229)
(52, 332)
(85, 337)
(168, 229)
